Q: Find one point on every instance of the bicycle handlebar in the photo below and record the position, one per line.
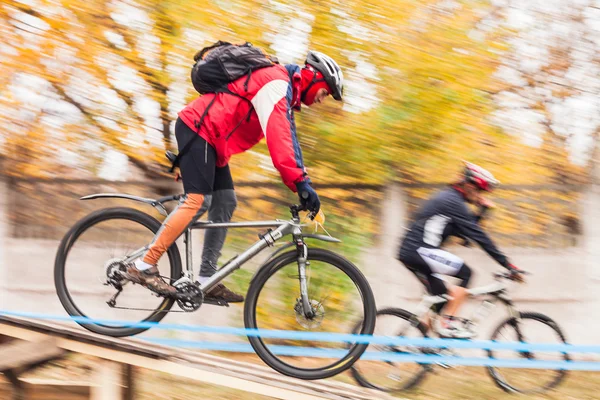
(510, 275)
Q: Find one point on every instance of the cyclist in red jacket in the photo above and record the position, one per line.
(262, 107)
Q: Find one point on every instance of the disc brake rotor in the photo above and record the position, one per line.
(318, 314)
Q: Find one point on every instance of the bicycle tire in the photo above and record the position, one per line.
(412, 382)
(497, 377)
(69, 240)
(355, 350)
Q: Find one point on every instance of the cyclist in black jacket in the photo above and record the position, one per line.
(446, 214)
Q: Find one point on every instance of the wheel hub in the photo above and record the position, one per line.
(318, 314)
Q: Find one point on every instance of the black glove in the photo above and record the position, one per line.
(308, 197)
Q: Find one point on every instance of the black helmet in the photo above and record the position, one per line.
(331, 71)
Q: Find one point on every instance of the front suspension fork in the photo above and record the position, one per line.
(303, 262)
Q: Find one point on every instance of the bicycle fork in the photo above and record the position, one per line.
(302, 251)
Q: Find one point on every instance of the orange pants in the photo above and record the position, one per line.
(173, 227)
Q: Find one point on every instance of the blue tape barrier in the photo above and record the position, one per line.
(387, 356)
(325, 336)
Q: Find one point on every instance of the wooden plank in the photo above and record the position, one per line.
(50, 389)
(21, 354)
(266, 374)
(174, 368)
(76, 332)
(193, 365)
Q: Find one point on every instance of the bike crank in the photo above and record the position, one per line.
(189, 296)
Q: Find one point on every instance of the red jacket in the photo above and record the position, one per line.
(268, 111)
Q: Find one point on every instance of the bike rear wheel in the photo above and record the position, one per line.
(389, 376)
(533, 328)
(339, 295)
(95, 244)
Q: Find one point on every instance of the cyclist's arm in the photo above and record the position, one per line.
(467, 225)
(279, 128)
(482, 212)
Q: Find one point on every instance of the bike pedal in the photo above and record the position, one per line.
(216, 302)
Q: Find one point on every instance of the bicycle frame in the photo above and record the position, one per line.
(497, 291)
(283, 228)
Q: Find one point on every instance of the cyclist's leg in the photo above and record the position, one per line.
(444, 263)
(197, 171)
(459, 293)
(221, 209)
(222, 205)
(434, 286)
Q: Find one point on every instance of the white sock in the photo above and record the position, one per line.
(203, 279)
(141, 265)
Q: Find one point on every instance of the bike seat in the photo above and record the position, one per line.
(171, 156)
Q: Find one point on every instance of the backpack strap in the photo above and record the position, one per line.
(189, 143)
(198, 125)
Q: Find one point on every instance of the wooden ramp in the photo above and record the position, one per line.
(125, 354)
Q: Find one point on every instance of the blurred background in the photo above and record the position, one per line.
(90, 92)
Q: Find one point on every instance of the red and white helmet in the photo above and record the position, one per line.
(480, 177)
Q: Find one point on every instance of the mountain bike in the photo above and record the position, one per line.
(297, 287)
(520, 326)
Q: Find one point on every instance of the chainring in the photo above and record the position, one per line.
(189, 296)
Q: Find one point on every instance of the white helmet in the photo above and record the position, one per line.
(331, 71)
(482, 178)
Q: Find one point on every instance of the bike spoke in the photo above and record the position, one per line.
(331, 304)
(101, 245)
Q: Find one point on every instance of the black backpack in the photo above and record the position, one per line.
(218, 65)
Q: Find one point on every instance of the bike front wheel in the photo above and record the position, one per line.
(528, 328)
(340, 297)
(89, 251)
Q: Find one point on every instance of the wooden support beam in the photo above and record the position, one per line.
(17, 385)
(129, 384)
(107, 376)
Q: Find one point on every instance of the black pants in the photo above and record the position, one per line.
(199, 171)
(200, 175)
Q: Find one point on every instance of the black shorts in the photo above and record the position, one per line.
(198, 166)
(427, 264)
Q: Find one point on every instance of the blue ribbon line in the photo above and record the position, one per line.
(324, 336)
(388, 356)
